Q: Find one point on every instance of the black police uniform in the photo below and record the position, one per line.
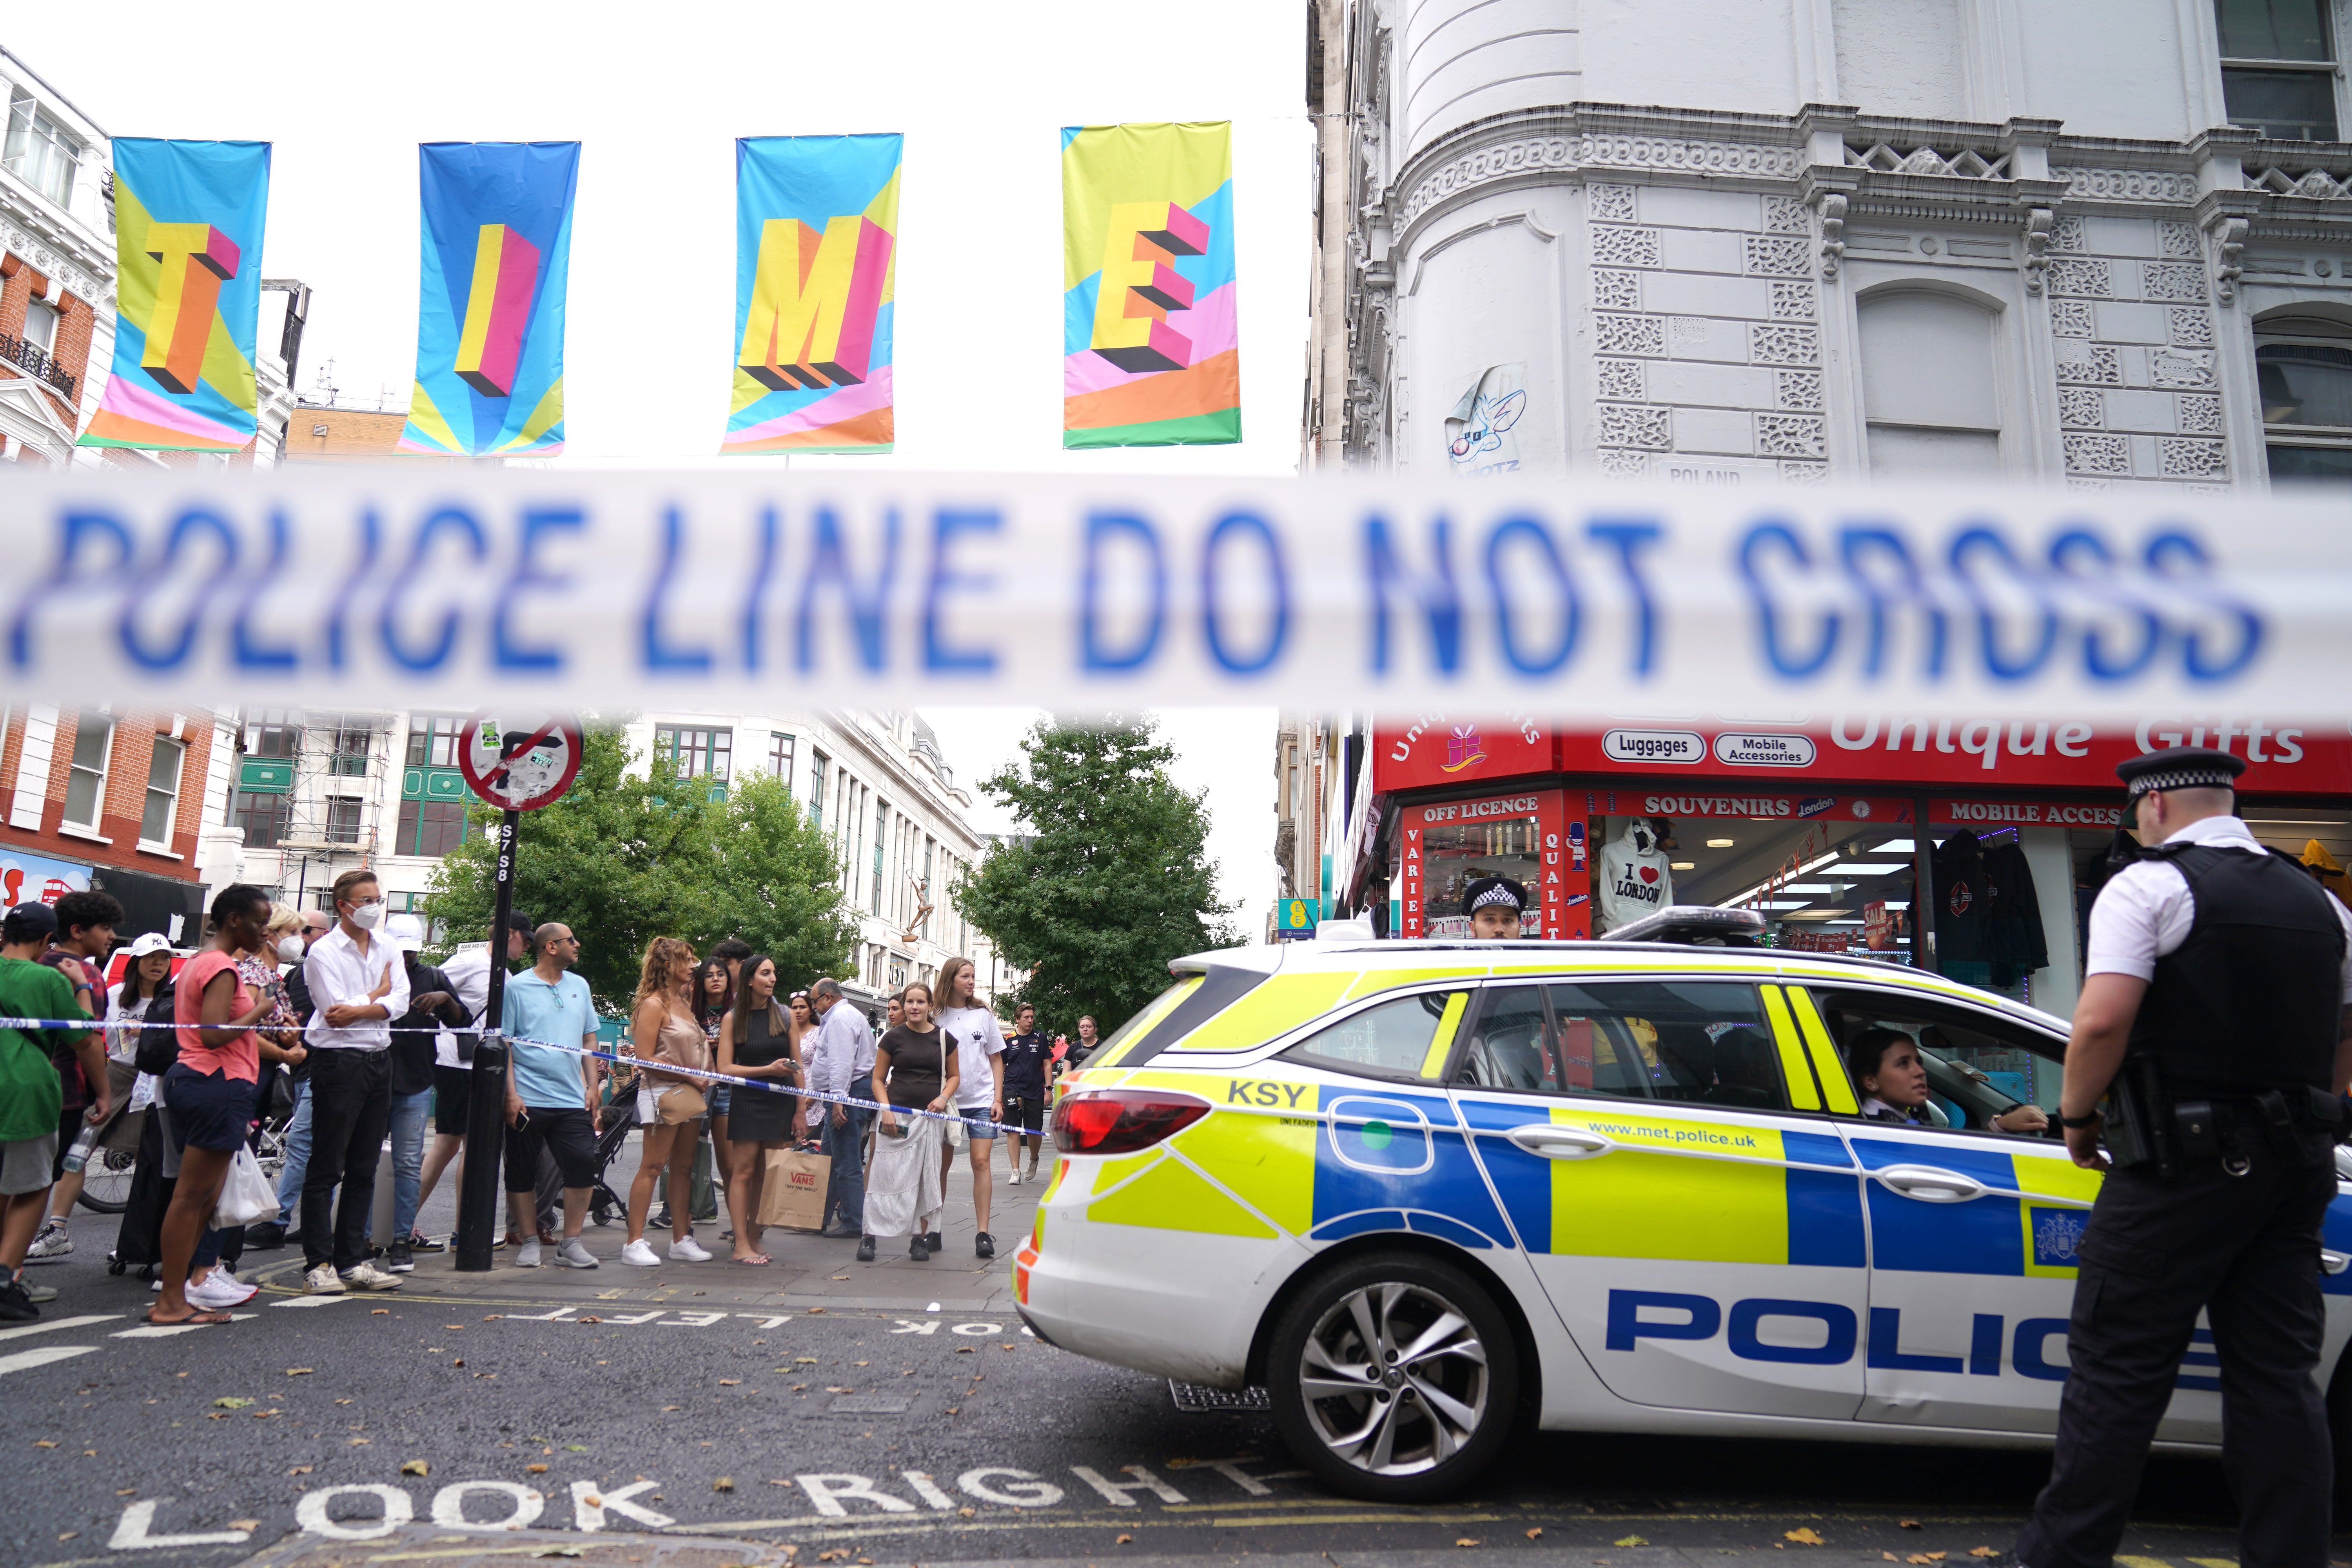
(2244, 1014)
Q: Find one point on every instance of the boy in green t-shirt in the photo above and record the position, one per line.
(32, 1096)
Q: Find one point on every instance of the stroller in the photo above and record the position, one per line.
(604, 1200)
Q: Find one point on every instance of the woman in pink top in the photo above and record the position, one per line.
(208, 1095)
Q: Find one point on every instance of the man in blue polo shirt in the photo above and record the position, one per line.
(551, 1093)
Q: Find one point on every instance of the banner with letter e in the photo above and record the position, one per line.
(496, 221)
(816, 235)
(188, 218)
(1151, 334)
(721, 590)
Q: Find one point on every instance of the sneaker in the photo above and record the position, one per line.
(15, 1306)
(840, 1230)
(425, 1243)
(919, 1251)
(50, 1245)
(690, 1249)
(527, 1255)
(397, 1260)
(640, 1254)
(36, 1294)
(1033, 1172)
(220, 1289)
(864, 1249)
(660, 1216)
(984, 1245)
(267, 1237)
(574, 1254)
(323, 1281)
(368, 1276)
(1016, 1176)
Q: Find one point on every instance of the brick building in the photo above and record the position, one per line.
(112, 800)
(57, 275)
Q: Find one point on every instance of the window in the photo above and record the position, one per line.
(1929, 388)
(780, 758)
(696, 753)
(349, 758)
(1694, 1042)
(264, 817)
(433, 740)
(881, 841)
(86, 784)
(41, 324)
(271, 733)
(1978, 1066)
(163, 792)
(431, 827)
(2278, 68)
(818, 761)
(2303, 371)
(1397, 1037)
(343, 819)
(39, 151)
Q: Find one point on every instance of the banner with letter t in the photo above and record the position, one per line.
(497, 219)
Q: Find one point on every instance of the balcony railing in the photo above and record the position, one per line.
(35, 361)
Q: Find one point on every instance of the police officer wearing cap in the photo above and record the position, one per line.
(2218, 973)
(1495, 906)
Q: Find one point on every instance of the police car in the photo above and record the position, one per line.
(1423, 1191)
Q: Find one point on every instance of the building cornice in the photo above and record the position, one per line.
(55, 245)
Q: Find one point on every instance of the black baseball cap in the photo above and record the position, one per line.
(2180, 767)
(39, 916)
(518, 920)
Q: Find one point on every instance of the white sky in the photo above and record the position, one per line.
(979, 92)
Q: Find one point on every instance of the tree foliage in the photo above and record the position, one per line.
(1108, 877)
(624, 858)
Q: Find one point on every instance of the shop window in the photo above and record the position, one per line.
(86, 781)
(264, 817)
(1392, 1038)
(1929, 387)
(431, 827)
(1978, 1066)
(343, 819)
(2278, 68)
(2302, 368)
(163, 792)
(1456, 854)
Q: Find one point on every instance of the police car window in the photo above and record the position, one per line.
(1510, 1046)
(1978, 1066)
(1695, 1042)
(1393, 1038)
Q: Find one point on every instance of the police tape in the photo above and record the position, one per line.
(342, 585)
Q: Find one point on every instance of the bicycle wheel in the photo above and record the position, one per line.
(106, 1181)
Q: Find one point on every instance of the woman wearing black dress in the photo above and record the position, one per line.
(755, 1042)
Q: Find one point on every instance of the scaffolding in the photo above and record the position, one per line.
(313, 785)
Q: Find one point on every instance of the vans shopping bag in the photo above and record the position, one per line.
(793, 1196)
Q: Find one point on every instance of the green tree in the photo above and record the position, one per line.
(622, 858)
(1110, 878)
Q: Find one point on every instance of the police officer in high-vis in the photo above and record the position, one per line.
(2214, 1003)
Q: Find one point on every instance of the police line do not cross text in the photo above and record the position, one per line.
(719, 590)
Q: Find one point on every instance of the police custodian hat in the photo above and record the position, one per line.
(1488, 891)
(2180, 767)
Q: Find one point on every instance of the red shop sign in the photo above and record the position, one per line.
(1981, 814)
(1435, 750)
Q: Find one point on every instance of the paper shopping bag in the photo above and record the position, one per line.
(793, 1194)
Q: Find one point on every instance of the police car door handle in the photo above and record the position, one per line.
(1931, 1185)
(1559, 1143)
(2331, 1262)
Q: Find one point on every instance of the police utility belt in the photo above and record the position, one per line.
(2148, 1123)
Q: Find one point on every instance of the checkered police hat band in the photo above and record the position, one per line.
(1492, 897)
(2182, 778)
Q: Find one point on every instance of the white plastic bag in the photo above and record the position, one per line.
(246, 1197)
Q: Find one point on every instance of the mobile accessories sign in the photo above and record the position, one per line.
(1572, 600)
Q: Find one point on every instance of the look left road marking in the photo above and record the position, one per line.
(24, 1361)
(139, 1519)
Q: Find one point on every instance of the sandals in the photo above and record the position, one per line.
(757, 1260)
(193, 1318)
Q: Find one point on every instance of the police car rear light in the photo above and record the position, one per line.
(1121, 1121)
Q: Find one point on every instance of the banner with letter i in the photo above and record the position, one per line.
(1151, 341)
(816, 262)
(188, 218)
(497, 220)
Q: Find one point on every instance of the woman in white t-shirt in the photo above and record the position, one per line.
(134, 997)
(980, 1085)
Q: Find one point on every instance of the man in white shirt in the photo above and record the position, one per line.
(358, 987)
(840, 1060)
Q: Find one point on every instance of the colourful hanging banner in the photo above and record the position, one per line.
(489, 319)
(1150, 340)
(188, 218)
(817, 263)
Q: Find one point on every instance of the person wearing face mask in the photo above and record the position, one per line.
(291, 947)
(358, 987)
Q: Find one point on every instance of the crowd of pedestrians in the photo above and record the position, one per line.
(332, 1024)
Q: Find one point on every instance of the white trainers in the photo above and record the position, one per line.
(574, 1254)
(640, 1254)
(324, 1281)
(690, 1249)
(50, 1245)
(527, 1255)
(220, 1289)
(368, 1276)
(1016, 1176)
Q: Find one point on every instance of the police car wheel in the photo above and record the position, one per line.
(1394, 1377)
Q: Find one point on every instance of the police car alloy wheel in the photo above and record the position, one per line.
(1394, 1377)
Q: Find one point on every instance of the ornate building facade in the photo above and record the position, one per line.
(1793, 239)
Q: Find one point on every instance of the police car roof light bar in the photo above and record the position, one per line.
(1689, 922)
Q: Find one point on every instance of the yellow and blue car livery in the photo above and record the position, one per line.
(1753, 1255)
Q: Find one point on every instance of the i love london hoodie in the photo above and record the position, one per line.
(1635, 879)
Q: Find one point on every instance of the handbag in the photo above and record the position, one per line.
(682, 1103)
(246, 1197)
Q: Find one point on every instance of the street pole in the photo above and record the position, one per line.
(486, 1111)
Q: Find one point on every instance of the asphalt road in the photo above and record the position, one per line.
(689, 1405)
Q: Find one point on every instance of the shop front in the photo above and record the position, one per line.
(1828, 830)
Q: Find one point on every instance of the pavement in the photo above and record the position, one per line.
(824, 1413)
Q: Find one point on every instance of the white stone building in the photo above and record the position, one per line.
(1733, 240)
